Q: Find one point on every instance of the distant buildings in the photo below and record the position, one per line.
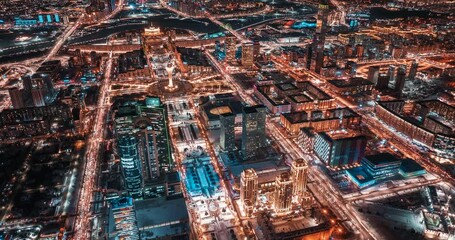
(253, 130)
(429, 123)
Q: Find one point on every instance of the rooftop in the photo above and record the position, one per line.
(382, 158)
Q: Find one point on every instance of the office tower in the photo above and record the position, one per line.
(146, 122)
(40, 88)
(360, 49)
(253, 130)
(17, 98)
(413, 70)
(391, 73)
(400, 80)
(247, 55)
(299, 175)
(231, 48)
(256, 48)
(319, 37)
(373, 74)
(309, 56)
(283, 193)
(383, 82)
(339, 149)
(248, 189)
(130, 162)
(227, 134)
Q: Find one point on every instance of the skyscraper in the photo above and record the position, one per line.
(247, 55)
(319, 37)
(383, 82)
(253, 130)
(227, 134)
(399, 81)
(283, 193)
(231, 47)
(373, 74)
(413, 70)
(248, 189)
(299, 175)
(130, 163)
(391, 73)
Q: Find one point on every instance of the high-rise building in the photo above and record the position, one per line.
(17, 97)
(413, 70)
(360, 49)
(373, 74)
(299, 175)
(338, 149)
(231, 48)
(249, 189)
(253, 130)
(131, 164)
(319, 37)
(391, 73)
(400, 80)
(227, 134)
(145, 121)
(40, 88)
(383, 82)
(282, 200)
(247, 55)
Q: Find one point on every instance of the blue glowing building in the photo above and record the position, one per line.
(382, 167)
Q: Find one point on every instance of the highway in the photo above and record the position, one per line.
(91, 157)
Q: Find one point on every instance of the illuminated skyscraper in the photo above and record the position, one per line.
(131, 165)
(231, 47)
(247, 55)
(283, 193)
(248, 189)
(227, 134)
(319, 37)
(373, 74)
(253, 130)
(400, 81)
(299, 175)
